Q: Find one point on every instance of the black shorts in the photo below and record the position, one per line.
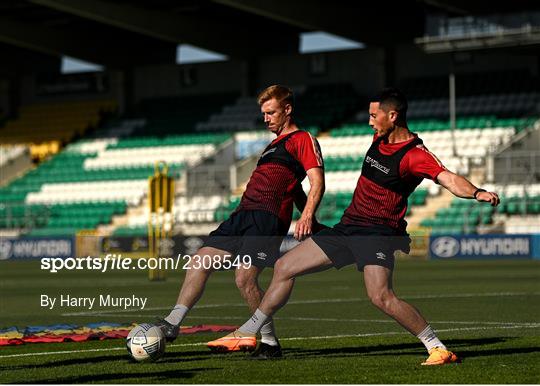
(255, 233)
(363, 245)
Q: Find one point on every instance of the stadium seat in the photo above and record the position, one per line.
(46, 125)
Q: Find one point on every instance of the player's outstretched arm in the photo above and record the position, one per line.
(304, 225)
(462, 187)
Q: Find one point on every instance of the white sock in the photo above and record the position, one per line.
(268, 333)
(177, 314)
(429, 339)
(255, 323)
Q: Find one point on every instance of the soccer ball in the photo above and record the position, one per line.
(145, 342)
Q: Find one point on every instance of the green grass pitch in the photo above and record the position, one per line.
(488, 312)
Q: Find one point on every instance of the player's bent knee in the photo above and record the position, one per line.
(245, 280)
(283, 270)
(382, 300)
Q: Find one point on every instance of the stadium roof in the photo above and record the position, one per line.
(124, 33)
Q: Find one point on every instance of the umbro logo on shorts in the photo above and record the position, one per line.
(261, 255)
(381, 256)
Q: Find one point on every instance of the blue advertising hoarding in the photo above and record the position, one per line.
(35, 247)
(536, 247)
(481, 246)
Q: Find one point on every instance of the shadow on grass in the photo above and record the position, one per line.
(468, 348)
(119, 377)
(174, 357)
(412, 349)
(185, 356)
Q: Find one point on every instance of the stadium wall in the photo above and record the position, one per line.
(413, 62)
(189, 79)
(363, 68)
(48, 87)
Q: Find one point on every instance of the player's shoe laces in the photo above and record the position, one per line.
(440, 356)
(170, 331)
(235, 341)
(266, 351)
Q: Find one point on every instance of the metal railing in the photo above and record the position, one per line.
(32, 216)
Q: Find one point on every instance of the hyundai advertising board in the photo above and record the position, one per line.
(35, 248)
(481, 246)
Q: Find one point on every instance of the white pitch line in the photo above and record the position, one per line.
(299, 318)
(314, 301)
(393, 321)
(88, 350)
(407, 333)
(532, 325)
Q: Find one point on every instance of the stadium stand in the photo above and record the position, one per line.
(46, 126)
(98, 177)
(242, 115)
(107, 164)
(521, 224)
(492, 107)
(103, 175)
(249, 143)
(463, 216)
(195, 209)
(94, 179)
(177, 115)
(316, 107)
(489, 83)
(322, 106)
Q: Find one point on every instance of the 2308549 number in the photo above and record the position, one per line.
(216, 262)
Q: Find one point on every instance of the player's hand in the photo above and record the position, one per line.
(303, 228)
(491, 197)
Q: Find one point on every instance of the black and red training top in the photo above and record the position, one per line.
(280, 169)
(390, 173)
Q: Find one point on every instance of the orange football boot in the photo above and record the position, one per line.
(235, 341)
(440, 356)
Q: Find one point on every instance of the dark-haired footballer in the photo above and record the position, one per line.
(373, 226)
(261, 220)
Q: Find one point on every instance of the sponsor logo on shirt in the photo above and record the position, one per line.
(375, 164)
(268, 152)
